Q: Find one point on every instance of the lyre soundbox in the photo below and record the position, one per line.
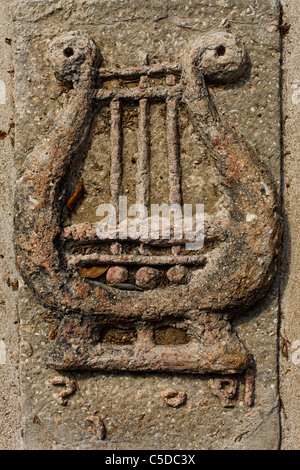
(147, 303)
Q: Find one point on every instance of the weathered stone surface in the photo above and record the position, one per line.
(10, 404)
(290, 286)
(251, 204)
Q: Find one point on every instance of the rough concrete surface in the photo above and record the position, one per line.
(10, 416)
(130, 410)
(290, 286)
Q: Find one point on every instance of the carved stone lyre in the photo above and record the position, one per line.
(242, 239)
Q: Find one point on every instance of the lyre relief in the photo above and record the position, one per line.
(203, 287)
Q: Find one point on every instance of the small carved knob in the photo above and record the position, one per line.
(221, 57)
(74, 56)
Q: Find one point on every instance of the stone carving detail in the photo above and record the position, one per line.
(225, 389)
(204, 287)
(70, 388)
(173, 397)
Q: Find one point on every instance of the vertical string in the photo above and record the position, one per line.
(173, 152)
(143, 177)
(116, 154)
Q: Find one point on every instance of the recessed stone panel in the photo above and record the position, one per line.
(146, 343)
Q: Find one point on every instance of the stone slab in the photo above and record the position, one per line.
(130, 404)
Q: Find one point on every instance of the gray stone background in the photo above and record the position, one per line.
(15, 380)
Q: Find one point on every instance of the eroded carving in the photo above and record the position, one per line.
(225, 389)
(99, 426)
(201, 288)
(70, 388)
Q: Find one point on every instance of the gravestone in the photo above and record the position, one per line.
(143, 341)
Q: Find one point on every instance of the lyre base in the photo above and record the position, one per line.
(80, 345)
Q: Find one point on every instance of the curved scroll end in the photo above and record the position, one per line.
(221, 57)
(74, 57)
(254, 240)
